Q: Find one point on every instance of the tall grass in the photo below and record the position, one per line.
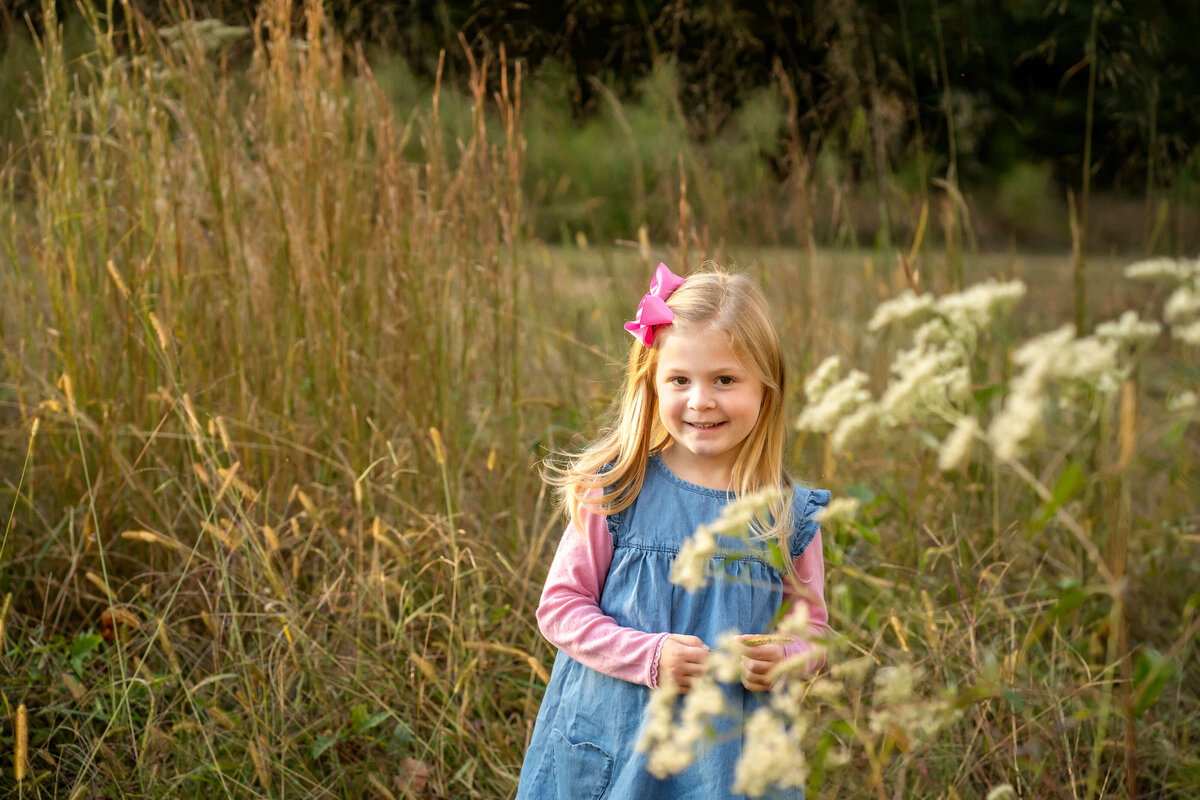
(272, 357)
(292, 354)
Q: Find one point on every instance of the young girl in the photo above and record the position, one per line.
(700, 421)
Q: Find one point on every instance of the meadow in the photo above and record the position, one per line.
(282, 355)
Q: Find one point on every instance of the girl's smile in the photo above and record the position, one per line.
(708, 402)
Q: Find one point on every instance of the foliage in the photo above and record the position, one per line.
(899, 97)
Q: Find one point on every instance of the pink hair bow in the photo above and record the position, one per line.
(653, 309)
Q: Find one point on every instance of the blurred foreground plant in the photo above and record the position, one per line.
(1051, 425)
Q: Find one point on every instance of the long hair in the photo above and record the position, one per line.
(607, 476)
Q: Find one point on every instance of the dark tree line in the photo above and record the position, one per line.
(932, 85)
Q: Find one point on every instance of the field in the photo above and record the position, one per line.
(280, 363)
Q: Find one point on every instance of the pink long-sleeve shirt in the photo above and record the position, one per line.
(570, 617)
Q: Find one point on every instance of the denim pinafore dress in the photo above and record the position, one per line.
(583, 743)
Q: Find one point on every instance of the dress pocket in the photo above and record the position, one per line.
(581, 771)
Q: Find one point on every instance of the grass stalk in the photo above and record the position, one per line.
(1080, 249)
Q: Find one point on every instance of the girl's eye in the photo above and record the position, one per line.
(725, 380)
(678, 380)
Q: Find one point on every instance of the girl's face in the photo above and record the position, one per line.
(708, 402)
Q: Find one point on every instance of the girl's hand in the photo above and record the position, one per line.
(761, 656)
(681, 659)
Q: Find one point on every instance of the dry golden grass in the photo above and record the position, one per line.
(291, 359)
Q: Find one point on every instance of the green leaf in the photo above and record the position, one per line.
(373, 721)
(985, 395)
(861, 492)
(402, 733)
(1070, 599)
(322, 744)
(82, 649)
(867, 533)
(1069, 483)
(358, 716)
(1174, 434)
(1151, 670)
(1014, 700)
(84, 645)
(928, 439)
(776, 553)
(841, 726)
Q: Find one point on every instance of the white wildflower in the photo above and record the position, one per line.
(1004, 791)
(1129, 329)
(665, 755)
(803, 664)
(1044, 347)
(976, 305)
(822, 378)
(771, 756)
(1185, 401)
(668, 758)
(853, 671)
(934, 334)
(1022, 410)
(901, 307)
(1153, 269)
(840, 509)
(704, 700)
(834, 403)
(789, 703)
(1188, 334)
(797, 619)
(725, 661)
(837, 757)
(690, 569)
(211, 34)
(1109, 383)
(700, 705)
(1086, 360)
(825, 689)
(851, 426)
(660, 714)
(736, 516)
(957, 446)
(895, 684)
(955, 384)
(916, 720)
(914, 386)
(1183, 302)
(1021, 414)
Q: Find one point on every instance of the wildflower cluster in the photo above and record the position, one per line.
(670, 744)
(841, 508)
(829, 399)
(211, 34)
(773, 735)
(692, 565)
(930, 378)
(931, 384)
(781, 737)
(1057, 357)
(1182, 309)
(899, 713)
(773, 754)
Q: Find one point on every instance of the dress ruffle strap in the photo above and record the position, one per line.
(806, 504)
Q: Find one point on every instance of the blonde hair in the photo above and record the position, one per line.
(606, 477)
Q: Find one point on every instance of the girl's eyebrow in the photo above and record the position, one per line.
(720, 369)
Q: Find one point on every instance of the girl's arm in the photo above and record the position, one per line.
(569, 614)
(810, 570)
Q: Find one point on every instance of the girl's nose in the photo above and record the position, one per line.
(700, 397)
